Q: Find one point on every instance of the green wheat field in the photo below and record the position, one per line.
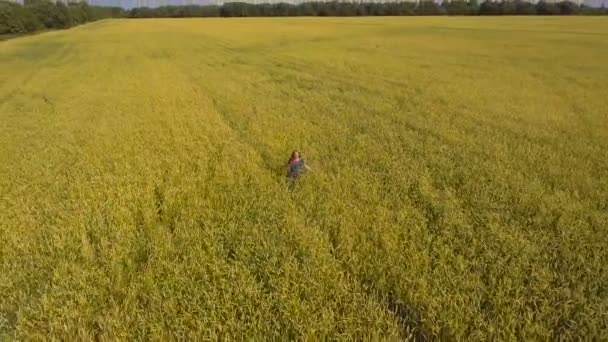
(459, 188)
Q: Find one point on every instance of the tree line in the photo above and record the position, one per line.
(348, 9)
(37, 15)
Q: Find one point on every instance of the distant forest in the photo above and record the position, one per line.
(37, 15)
(352, 9)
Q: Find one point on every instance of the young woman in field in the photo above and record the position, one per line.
(296, 166)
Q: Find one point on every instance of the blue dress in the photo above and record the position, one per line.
(296, 169)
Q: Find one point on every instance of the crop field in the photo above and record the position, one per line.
(459, 183)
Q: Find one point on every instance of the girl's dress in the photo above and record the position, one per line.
(296, 169)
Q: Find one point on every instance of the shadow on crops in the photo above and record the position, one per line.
(409, 319)
(8, 324)
(143, 246)
(167, 213)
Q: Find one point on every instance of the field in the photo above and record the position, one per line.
(459, 186)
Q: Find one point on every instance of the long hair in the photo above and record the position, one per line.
(295, 154)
